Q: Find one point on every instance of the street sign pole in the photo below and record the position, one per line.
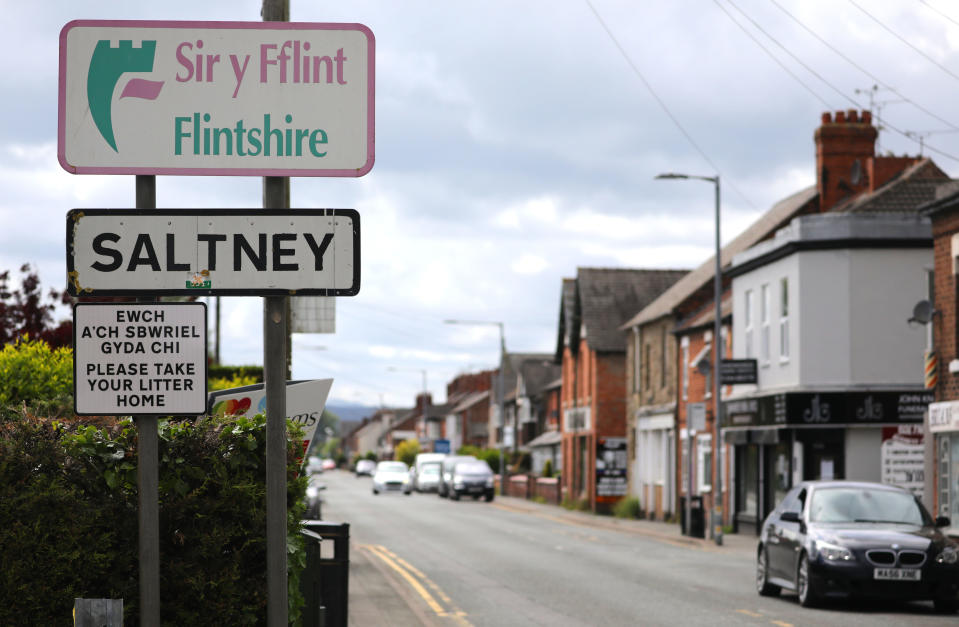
(148, 474)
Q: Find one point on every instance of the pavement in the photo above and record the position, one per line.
(380, 596)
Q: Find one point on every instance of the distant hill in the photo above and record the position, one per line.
(349, 412)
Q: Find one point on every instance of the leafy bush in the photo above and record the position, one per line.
(68, 505)
(469, 449)
(371, 455)
(219, 371)
(33, 373)
(491, 457)
(226, 383)
(548, 468)
(628, 507)
(406, 451)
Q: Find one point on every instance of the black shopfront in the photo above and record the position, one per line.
(779, 440)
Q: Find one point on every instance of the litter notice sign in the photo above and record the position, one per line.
(139, 358)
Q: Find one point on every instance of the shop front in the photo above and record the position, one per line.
(944, 427)
(782, 439)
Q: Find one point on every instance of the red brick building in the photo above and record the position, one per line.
(592, 351)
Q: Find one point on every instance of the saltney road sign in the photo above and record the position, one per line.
(252, 252)
(231, 98)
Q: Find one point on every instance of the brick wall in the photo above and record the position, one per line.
(945, 224)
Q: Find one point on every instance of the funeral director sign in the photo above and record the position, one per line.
(231, 98)
(138, 358)
(228, 252)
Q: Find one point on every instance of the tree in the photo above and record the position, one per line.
(23, 311)
(406, 451)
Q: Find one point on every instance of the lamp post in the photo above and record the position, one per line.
(717, 527)
(426, 395)
(501, 393)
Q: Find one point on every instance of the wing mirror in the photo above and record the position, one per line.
(943, 521)
(790, 517)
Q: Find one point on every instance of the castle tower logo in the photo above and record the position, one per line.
(107, 66)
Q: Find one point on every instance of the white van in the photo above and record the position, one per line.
(423, 458)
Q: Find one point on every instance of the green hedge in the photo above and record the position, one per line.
(68, 520)
(219, 371)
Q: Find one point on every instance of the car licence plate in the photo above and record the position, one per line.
(897, 574)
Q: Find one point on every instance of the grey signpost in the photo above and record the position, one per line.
(310, 136)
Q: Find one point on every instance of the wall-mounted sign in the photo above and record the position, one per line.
(211, 251)
(696, 416)
(228, 98)
(139, 358)
(736, 371)
(828, 408)
(612, 464)
(903, 459)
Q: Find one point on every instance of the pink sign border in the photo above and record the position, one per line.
(349, 172)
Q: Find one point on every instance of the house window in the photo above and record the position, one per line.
(637, 359)
(784, 319)
(662, 359)
(704, 462)
(646, 374)
(748, 325)
(684, 368)
(764, 323)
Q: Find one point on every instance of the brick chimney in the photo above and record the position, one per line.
(845, 148)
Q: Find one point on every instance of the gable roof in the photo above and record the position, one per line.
(913, 187)
(599, 300)
(777, 216)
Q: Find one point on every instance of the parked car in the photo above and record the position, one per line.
(423, 458)
(472, 478)
(365, 467)
(314, 465)
(392, 477)
(314, 503)
(857, 539)
(329, 464)
(428, 478)
(446, 472)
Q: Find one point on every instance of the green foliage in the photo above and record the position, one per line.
(539, 499)
(406, 451)
(33, 373)
(68, 500)
(548, 468)
(226, 383)
(218, 371)
(628, 507)
(469, 449)
(491, 457)
(370, 455)
(581, 504)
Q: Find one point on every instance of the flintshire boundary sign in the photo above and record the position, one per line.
(200, 252)
(216, 98)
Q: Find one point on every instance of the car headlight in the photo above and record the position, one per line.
(311, 492)
(489, 482)
(833, 553)
(949, 555)
(406, 479)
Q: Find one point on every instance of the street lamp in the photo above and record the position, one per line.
(501, 393)
(717, 528)
(426, 394)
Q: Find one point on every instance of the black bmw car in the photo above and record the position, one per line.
(855, 539)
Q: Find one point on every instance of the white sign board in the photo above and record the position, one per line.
(226, 98)
(903, 457)
(253, 252)
(305, 401)
(139, 358)
(696, 416)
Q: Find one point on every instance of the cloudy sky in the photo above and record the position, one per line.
(515, 142)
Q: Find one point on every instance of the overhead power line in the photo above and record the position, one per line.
(929, 6)
(662, 104)
(903, 40)
(851, 62)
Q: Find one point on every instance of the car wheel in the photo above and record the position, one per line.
(408, 493)
(489, 497)
(375, 491)
(946, 606)
(455, 495)
(763, 587)
(804, 584)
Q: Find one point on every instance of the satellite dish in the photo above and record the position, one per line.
(922, 312)
(856, 174)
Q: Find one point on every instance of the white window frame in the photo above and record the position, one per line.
(704, 462)
(748, 320)
(784, 319)
(764, 324)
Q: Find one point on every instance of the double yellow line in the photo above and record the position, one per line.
(420, 582)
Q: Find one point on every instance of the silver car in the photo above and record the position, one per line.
(392, 477)
(428, 480)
